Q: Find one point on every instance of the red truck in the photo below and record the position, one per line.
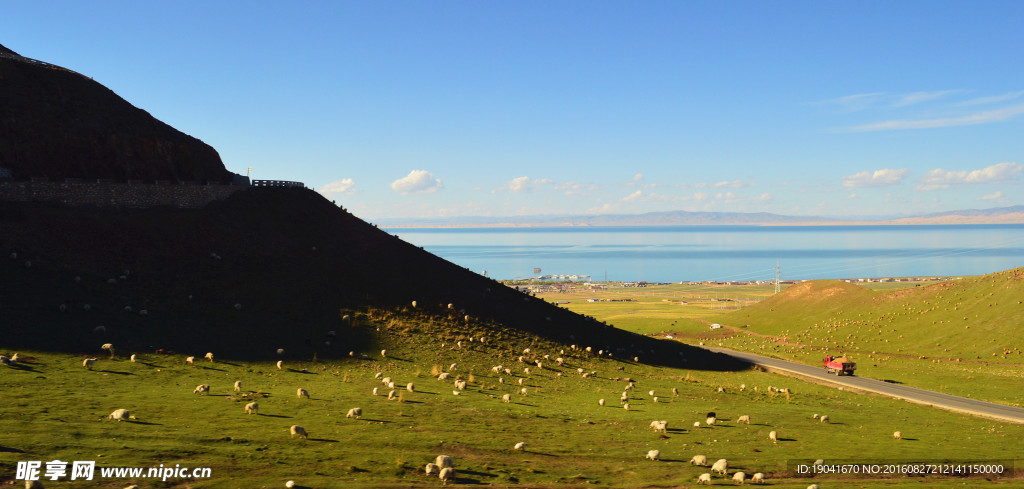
(839, 366)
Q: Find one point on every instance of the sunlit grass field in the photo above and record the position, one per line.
(56, 409)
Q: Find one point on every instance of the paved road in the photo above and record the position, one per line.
(912, 394)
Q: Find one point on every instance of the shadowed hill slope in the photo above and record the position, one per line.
(291, 260)
(59, 124)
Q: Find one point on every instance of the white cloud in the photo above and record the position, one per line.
(878, 178)
(986, 117)
(998, 196)
(343, 186)
(417, 182)
(633, 196)
(732, 184)
(521, 184)
(765, 198)
(700, 196)
(993, 99)
(939, 178)
(918, 97)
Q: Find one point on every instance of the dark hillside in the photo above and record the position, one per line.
(59, 124)
(293, 261)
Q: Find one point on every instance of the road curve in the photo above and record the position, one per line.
(912, 394)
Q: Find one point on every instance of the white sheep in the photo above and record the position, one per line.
(773, 436)
(812, 486)
(120, 414)
(739, 477)
(704, 478)
(132, 358)
(660, 426)
(209, 356)
(354, 413)
(378, 375)
(238, 386)
(696, 424)
(720, 467)
(653, 454)
(376, 391)
(625, 406)
(823, 419)
(202, 389)
(410, 387)
(302, 393)
(88, 363)
(743, 419)
(444, 461)
(460, 385)
(392, 395)
(600, 402)
(650, 393)
(446, 474)
(710, 420)
(506, 398)
(897, 435)
(453, 367)
(289, 484)
(443, 376)
(757, 478)
(522, 391)
(384, 353)
(109, 347)
(432, 468)
(298, 430)
(701, 460)
(519, 446)
(280, 364)
(252, 408)
(190, 360)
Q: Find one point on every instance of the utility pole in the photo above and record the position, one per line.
(777, 274)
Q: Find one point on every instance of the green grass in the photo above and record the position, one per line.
(55, 409)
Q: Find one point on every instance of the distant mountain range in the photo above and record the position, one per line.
(1001, 215)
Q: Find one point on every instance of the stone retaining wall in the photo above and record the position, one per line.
(116, 194)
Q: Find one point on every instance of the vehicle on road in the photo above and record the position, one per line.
(839, 365)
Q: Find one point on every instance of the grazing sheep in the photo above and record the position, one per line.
(109, 347)
(238, 386)
(446, 474)
(252, 408)
(460, 385)
(202, 389)
(721, 466)
(410, 387)
(280, 364)
(88, 363)
(519, 446)
(653, 454)
(710, 420)
(661, 426)
(812, 486)
(392, 396)
(209, 356)
(280, 351)
(704, 478)
(506, 398)
(132, 358)
(432, 468)
(743, 419)
(386, 381)
(696, 424)
(757, 478)
(600, 402)
(897, 435)
(650, 393)
(522, 391)
(190, 360)
(701, 460)
(823, 419)
(625, 406)
(376, 391)
(384, 353)
(453, 367)
(120, 414)
(289, 484)
(378, 375)
(298, 430)
(739, 477)
(354, 413)
(444, 461)
(443, 376)
(773, 436)
(302, 393)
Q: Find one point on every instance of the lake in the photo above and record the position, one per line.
(724, 253)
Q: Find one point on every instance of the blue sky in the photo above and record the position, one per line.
(426, 109)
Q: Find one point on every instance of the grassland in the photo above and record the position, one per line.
(961, 336)
(55, 409)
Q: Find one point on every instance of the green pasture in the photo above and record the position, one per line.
(56, 409)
